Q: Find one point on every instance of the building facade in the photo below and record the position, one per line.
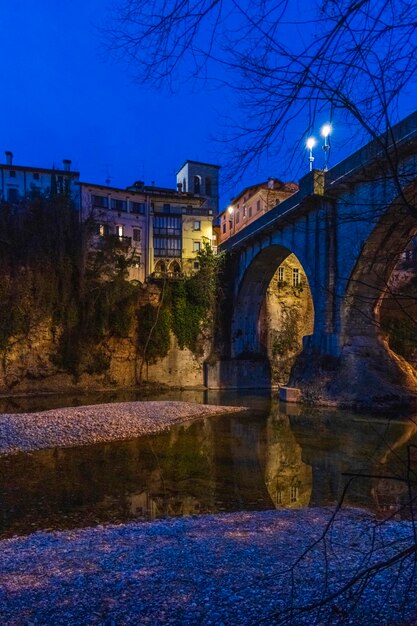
(250, 204)
(161, 230)
(119, 218)
(200, 179)
(21, 182)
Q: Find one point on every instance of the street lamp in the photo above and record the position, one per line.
(310, 143)
(325, 132)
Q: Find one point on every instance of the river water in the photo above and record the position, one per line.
(275, 456)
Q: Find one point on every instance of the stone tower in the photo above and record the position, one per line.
(201, 179)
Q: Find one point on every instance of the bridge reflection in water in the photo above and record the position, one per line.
(214, 465)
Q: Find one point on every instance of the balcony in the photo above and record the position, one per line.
(170, 275)
(113, 241)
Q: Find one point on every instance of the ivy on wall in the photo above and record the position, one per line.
(185, 309)
(49, 273)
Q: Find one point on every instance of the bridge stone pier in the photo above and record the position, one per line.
(347, 227)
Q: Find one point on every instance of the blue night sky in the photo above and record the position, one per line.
(65, 97)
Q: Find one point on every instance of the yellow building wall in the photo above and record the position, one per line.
(191, 236)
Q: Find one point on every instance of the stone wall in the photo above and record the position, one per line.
(28, 364)
(287, 316)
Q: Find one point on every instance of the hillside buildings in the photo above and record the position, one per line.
(251, 203)
(19, 182)
(161, 230)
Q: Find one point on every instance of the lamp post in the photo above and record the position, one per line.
(310, 143)
(325, 132)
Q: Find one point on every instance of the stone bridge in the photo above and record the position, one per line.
(348, 228)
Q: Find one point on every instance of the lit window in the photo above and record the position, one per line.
(119, 231)
(196, 246)
(280, 274)
(293, 494)
(295, 277)
(197, 225)
(102, 230)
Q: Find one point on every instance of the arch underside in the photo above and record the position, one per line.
(248, 325)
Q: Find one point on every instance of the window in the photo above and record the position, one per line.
(258, 206)
(136, 234)
(295, 277)
(208, 186)
(196, 225)
(280, 274)
(279, 498)
(237, 217)
(250, 211)
(196, 265)
(137, 207)
(166, 225)
(102, 230)
(196, 246)
(293, 493)
(119, 231)
(12, 194)
(35, 176)
(224, 228)
(184, 185)
(197, 184)
(167, 246)
(244, 211)
(118, 205)
(101, 201)
(167, 208)
(12, 174)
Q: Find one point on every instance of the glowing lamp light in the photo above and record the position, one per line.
(325, 131)
(310, 143)
(230, 210)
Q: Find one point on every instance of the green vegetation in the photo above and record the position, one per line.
(286, 340)
(50, 274)
(185, 309)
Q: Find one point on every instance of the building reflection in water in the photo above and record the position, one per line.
(286, 458)
(287, 478)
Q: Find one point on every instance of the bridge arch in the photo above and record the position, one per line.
(273, 307)
(369, 282)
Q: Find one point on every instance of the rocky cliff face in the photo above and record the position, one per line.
(27, 365)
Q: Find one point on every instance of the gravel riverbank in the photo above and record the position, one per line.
(228, 569)
(73, 426)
